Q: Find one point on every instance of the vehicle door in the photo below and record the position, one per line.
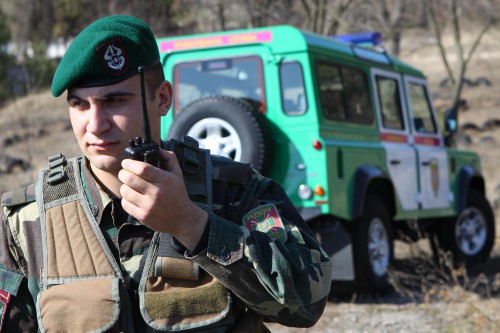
(395, 136)
(427, 140)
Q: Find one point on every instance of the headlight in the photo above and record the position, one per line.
(304, 192)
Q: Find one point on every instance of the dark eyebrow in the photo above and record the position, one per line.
(72, 96)
(107, 96)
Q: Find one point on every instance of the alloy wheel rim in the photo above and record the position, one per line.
(219, 136)
(471, 231)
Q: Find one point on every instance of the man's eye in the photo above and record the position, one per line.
(78, 104)
(115, 100)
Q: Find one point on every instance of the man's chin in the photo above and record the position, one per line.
(109, 164)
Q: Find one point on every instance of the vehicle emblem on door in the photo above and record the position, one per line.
(434, 165)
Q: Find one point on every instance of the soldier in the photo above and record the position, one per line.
(102, 243)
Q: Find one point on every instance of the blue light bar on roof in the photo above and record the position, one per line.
(362, 38)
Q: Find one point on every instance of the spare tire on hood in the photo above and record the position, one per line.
(228, 126)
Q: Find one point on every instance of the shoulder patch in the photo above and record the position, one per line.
(4, 301)
(266, 219)
(18, 197)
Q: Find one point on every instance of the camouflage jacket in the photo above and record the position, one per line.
(285, 281)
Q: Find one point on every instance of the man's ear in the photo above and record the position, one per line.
(165, 93)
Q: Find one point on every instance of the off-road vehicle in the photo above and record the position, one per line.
(348, 131)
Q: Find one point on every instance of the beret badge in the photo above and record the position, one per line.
(113, 56)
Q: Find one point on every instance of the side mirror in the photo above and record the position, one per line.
(450, 126)
(450, 120)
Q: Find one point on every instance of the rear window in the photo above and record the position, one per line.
(234, 77)
(344, 93)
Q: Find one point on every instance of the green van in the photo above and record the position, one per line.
(348, 131)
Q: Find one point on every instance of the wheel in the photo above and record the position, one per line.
(469, 236)
(227, 126)
(372, 241)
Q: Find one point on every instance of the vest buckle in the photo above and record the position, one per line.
(56, 165)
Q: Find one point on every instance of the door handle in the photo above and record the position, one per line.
(395, 162)
(426, 163)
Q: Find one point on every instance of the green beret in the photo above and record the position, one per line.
(106, 52)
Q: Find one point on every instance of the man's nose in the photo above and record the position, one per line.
(97, 121)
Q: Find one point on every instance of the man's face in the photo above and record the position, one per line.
(105, 118)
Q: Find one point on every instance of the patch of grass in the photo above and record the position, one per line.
(433, 280)
(424, 277)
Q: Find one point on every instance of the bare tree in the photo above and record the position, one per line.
(325, 16)
(20, 18)
(392, 18)
(270, 12)
(392, 14)
(258, 12)
(438, 22)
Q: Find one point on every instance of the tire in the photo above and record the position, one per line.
(469, 236)
(227, 126)
(373, 247)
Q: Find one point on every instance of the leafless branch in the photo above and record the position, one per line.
(439, 38)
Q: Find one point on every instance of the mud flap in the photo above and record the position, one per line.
(337, 243)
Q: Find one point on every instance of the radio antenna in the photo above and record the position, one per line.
(145, 120)
(140, 149)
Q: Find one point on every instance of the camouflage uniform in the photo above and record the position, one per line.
(284, 281)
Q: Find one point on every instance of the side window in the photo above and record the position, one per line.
(293, 93)
(358, 96)
(423, 121)
(344, 93)
(234, 77)
(331, 92)
(390, 103)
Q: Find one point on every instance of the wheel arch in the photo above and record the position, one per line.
(371, 180)
(469, 179)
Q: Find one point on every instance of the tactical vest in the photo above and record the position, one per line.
(81, 282)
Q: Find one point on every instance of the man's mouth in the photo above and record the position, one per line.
(102, 145)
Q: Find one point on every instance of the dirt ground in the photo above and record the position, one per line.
(424, 298)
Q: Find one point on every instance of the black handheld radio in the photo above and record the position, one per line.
(140, 149)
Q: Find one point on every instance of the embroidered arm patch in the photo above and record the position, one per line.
(266, 219)
(4, 301)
